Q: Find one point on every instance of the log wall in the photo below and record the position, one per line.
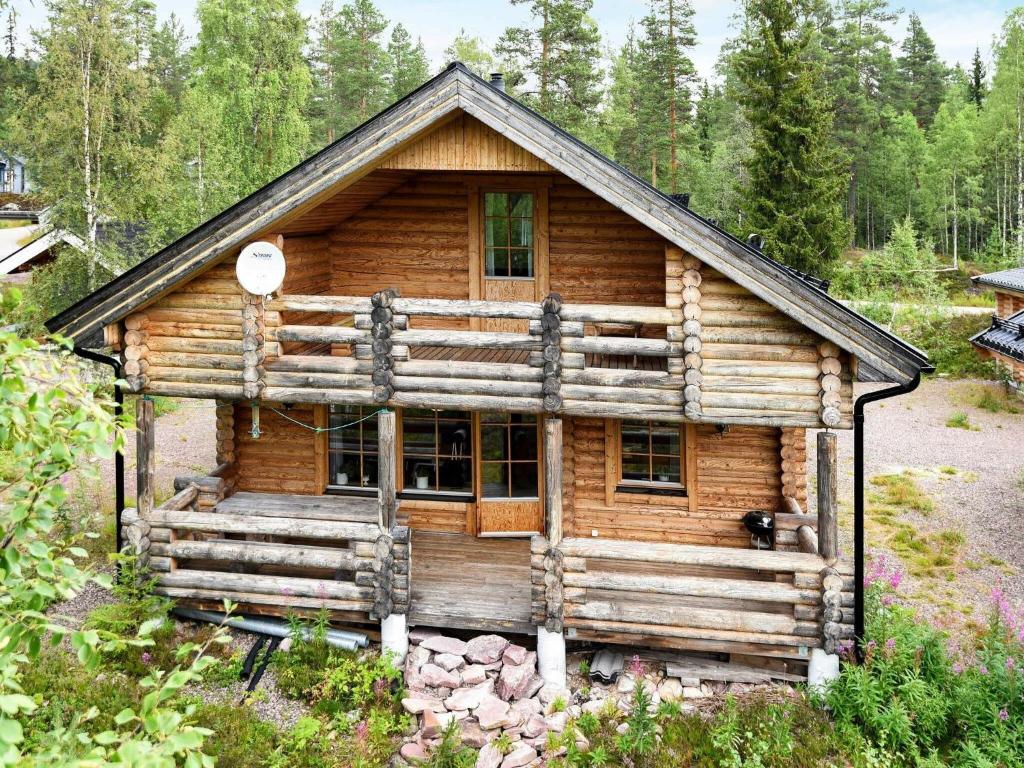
(283, 459)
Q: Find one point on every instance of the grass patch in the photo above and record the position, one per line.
(959, 420)
(898, 492)
(14, 223)
(947, 470)
(991, 398)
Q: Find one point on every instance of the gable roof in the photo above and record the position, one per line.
(454, 90)
(1011, 279)
(44, 243)
(1005, 336)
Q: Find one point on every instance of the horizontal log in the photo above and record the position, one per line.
(468, 339)
(195, 360)
(761, 368)
(319, 396)
(193, 375)
(621, 410)
(632, 395)
(466, 402)
(694, 586)
(468, 386)
(468, 370)
(273, 526)
(183, 499)
(460, 308)
(617, 345)
(614, 377)
(322, 334)
(319, 364)
(696, 633)
(317, 380)
(635, 611)
(807, 539)
(202, 391)
(614, 313)
(260, 598)
(345, 305)
(754, 385)
(691, 554)
(759, 402)
(273, 585)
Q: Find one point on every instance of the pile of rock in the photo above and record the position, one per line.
(487, 685)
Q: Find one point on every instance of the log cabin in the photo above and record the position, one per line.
(1003, 340)
(505, 386)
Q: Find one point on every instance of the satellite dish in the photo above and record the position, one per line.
(260, 268)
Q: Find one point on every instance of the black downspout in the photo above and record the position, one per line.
(114, 363)
(858, 494)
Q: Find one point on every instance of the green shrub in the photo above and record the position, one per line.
(958, 420)
(449, 752)
(359, 680)
(902, 270)
(946, 339)
(240, 738)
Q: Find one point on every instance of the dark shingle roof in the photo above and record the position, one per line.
(1004, 336)
(1013, 279)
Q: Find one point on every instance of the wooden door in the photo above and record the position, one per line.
(509, 475)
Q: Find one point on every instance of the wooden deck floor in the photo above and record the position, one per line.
(467, 583)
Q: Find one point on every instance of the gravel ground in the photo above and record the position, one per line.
(984, 500)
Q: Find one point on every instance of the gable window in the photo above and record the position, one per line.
(508, 455)
(651, 456)
(508, 234)
(352, 447)
(437, 451)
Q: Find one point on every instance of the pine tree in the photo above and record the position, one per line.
(794, 194)
(471, 51)
(621, 121)
(977, 88)
(553, 64)
(11, 37)
(922, 72)
(351, 66)
(664, 74)
(409, 65)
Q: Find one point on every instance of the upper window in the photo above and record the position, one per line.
(651, 455)
(437, 451)
(508, 455)
(508, 234)
(352, 446)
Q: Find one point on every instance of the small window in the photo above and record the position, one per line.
(352, 447)
(437, 451)
(508, 234)
(650, 455)
(509, 450)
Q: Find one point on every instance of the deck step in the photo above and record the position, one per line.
(350, 509)
(686, 666)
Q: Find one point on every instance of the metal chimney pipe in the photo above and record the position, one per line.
(498, 81)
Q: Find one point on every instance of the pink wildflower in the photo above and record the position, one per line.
(958, 668)
(362, 730)
(636, 666)
(1010, 664)
(983, 669)
(845, 649)
(890, 644)
(146, 658)
(1004, 715)
(380, 687)
(888, 600)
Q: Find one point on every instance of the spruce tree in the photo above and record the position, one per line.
(922, 73)
(471, 51)
(409, 65)
(168, 69)
(553, 64)
(977, 88)
(796, 179)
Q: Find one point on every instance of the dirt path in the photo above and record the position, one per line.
(972, 478)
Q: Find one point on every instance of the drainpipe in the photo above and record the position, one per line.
(858, 493)
(115, 364)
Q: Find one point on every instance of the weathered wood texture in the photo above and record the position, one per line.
(464, 144)
(281, 459)
(828, 496)
(737, 471)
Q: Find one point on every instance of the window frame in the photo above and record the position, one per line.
(534, 219)
(346, 490)
(537, 461)
(469, 496)
(618, 490)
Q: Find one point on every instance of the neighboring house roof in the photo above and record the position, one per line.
(1011, 279)
(457, 89)
(1004, 336)
(44, 243)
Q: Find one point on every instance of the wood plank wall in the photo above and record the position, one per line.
(308, 272)
(737, 471)
(283, 459)
(1008, 303)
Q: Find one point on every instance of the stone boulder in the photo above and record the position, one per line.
(435, 677)
(485, 649)
(442, 644)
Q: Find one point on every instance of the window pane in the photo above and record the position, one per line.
(496, 263)
(419, 473)
(522, 263)
(495, 480)
(455, 442)
(666, 469)
(344, 469)
(522, 233)
(524, 478)
(369, 478)
(524, 442)
(496, 233)
(521, 204)
(634, 468)
(494, 442)
(665, 441)
(496, 204)
(634, 437)
(418, 437)
(495, 417)
(455, 475)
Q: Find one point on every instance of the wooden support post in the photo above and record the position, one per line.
(383, 345)
(828, 490)
(830, 367)
(386, 469)
(553, 479)
(254, 334)
(138, 539)
(691, 330)
(552, 337)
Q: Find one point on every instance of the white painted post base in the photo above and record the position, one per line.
(822, 669)
(551, 657)
(394, 636)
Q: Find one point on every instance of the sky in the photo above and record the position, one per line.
(957, 26)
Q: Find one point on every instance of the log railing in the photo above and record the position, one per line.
(756, 602)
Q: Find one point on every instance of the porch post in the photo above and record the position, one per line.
(824, 662)
(828, 491)
(145, 476)
(550, 634)
(394, 634)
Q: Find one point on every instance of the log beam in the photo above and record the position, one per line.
(828, 492)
